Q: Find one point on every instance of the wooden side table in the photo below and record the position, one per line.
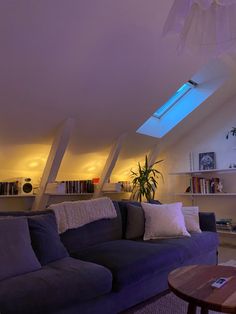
(193, 284)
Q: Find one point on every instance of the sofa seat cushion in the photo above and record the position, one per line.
(189, 247)
(59, 284)
(131, 261)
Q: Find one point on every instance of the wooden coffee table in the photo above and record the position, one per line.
(193, 284)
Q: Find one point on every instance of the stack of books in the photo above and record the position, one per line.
(224, 224)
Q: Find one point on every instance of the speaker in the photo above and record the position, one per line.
(25, 186)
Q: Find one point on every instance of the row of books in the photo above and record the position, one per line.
(9, 188)
(79, 186)
(204, 185)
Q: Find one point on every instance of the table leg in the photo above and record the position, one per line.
(192, 308)
(204, 311)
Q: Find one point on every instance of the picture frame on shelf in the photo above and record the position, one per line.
(207, 161)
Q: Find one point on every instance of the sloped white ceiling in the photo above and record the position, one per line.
(103, 62)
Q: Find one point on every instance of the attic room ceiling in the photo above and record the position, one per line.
(102, 62)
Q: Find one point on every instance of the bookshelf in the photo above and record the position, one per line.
(206, 177)
(229, 191)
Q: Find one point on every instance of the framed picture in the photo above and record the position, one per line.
(207, 161)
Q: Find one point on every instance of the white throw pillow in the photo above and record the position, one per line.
(191, 218)
(164, 221)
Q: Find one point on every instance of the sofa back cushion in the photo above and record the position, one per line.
(124, 213)
(93, 233)
(164, 221)
(135, 222)
(16, 254)
(132, 214)
(45, 238)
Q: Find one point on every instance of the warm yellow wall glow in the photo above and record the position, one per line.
(122, 169)
(83, 166)
(30, 160)
(23, 161)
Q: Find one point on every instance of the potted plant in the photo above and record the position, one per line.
(231, 132)
(144, 180)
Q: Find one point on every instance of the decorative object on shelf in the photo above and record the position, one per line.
(111, 187)
(203, 26)
(56, 187)
(219, 187)
(207, 161)
(145, 180)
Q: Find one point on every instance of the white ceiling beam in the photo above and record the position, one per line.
(110, 164)
(53, 163)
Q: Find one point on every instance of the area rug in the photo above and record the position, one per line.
(167, 304)
(231, 263)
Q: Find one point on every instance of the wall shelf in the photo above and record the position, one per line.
(205, 194)
(78, 194)
(68, 194)
(226, 233)
(226, 170)
(17, 196)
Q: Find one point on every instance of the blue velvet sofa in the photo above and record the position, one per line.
(91, 269)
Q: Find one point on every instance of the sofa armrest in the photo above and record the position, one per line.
(207, 221)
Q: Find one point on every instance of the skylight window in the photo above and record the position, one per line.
(181, 92)
(186, 99)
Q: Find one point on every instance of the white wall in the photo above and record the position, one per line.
(208, 136)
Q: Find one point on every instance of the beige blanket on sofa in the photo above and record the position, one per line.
(70, 215)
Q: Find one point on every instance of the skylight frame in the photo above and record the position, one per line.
(177, 96)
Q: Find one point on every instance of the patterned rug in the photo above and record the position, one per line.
(168, 304)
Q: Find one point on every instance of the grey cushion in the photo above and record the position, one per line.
(16, 253)
(135, 222)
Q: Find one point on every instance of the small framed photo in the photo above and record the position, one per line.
(207, 161)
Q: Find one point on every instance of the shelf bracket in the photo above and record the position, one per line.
(110, 164)
(53, 163)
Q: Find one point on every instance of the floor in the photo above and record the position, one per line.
(227, 253)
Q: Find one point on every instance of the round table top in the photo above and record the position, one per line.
(193, 284)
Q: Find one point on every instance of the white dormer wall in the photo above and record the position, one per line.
(208, 136)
